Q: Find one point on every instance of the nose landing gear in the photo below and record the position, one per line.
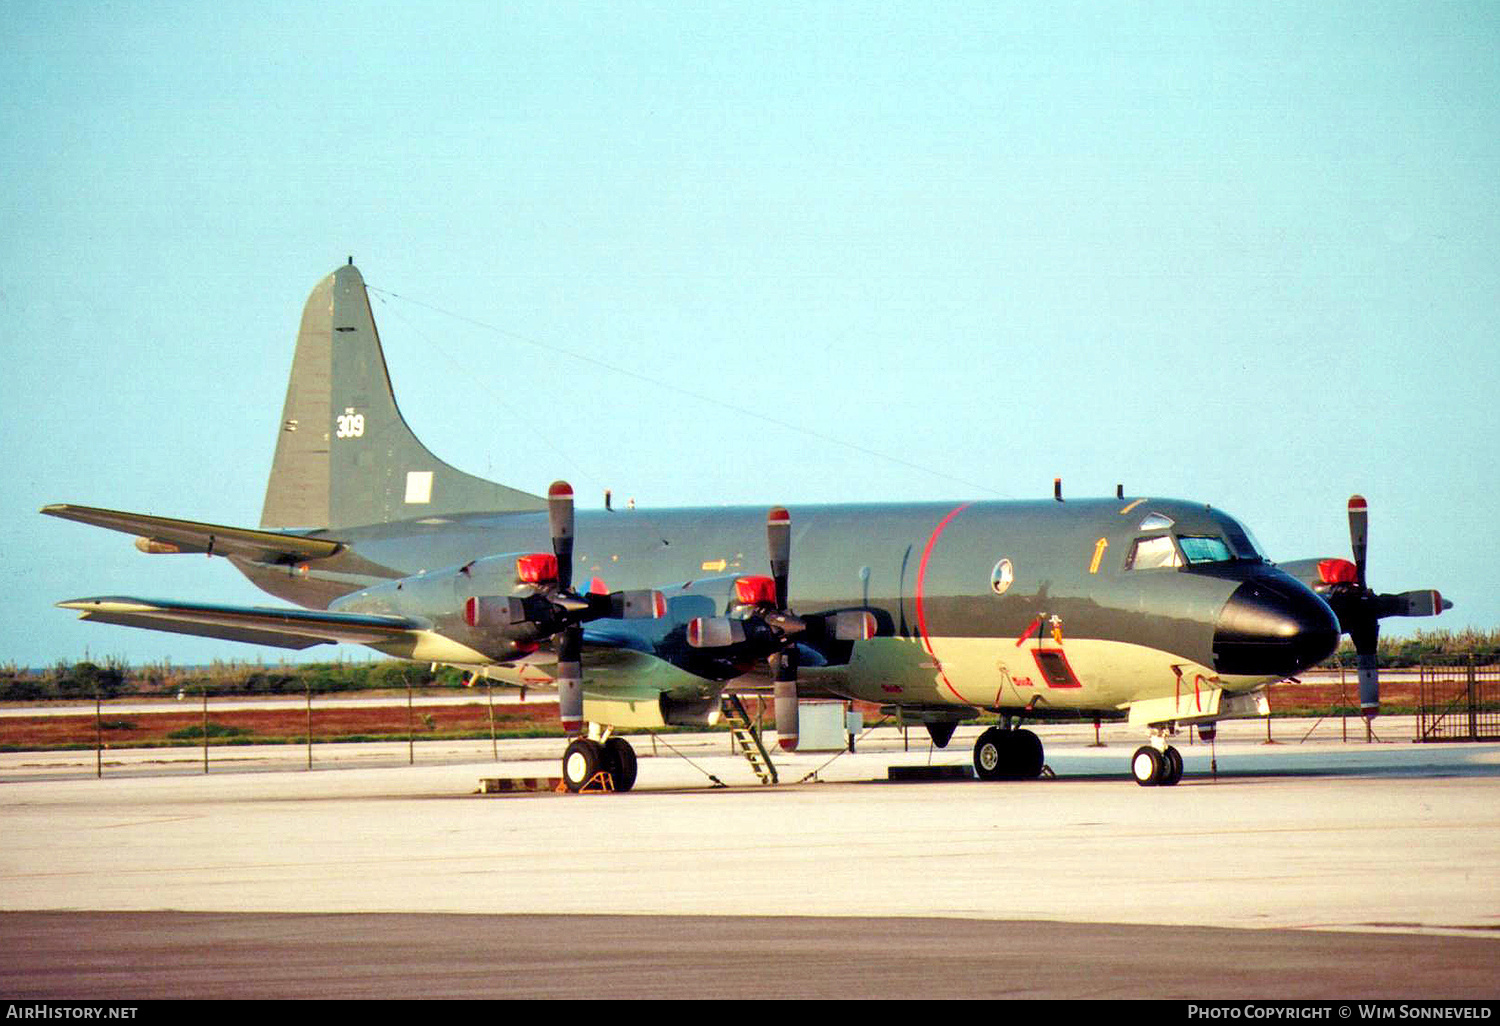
(1157, 764)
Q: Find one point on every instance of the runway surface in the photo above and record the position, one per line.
(1308, 870)
(166, 955)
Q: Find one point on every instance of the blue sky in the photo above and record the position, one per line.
(1244, 256)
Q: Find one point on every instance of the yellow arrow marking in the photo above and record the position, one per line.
(1099, 547)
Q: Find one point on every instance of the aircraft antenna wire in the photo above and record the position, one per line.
(689, 393)
(583, 472)
(503, 400)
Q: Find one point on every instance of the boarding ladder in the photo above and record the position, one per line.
(746, 739)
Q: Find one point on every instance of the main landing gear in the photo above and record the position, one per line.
(1156, 764)
(586, 759)
(1008, 755)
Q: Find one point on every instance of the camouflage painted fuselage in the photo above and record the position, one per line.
(1067, 628)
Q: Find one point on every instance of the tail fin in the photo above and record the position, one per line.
(344, 455)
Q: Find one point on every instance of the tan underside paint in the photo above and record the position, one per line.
(1199, 707)
(623, 688)
(430, 647)
(996, 672)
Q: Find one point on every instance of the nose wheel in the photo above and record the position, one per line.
(1154, 767)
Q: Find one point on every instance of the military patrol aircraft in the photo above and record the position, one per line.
(1160, 611)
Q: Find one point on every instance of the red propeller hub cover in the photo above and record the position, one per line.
(536, 568)
(1337, 571)
(755, 591)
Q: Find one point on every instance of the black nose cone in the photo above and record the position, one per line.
(1273, 627)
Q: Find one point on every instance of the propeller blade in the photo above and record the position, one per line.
(560, 519)
(570, 679)
(715, 632)
(853, 625)
(784, 675)
(1369, 685)
(1414, 603)
(1359, 534)
(1366, 637)
(641, 604)
(779, 542)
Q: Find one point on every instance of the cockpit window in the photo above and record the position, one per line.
(1243, 543)
(1199, 549)
(1153, 554)
(1155, 522)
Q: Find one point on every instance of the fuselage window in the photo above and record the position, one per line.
(1204, 550)
(1153, 554)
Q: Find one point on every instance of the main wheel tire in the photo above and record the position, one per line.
(1172, 772)
(1027, 757)
(619, 759)
(1146, 766)
(992, 754)
(581, 761)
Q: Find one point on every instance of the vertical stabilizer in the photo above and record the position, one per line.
(344, 455)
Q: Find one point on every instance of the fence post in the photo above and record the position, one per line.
(1473, 701)
(489, 690)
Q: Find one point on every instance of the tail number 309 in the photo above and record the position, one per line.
(350, 424)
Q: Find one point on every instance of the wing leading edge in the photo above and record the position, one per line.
(192, 536)
(402, 636)
(282, 628)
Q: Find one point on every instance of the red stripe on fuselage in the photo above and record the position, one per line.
(921, 578)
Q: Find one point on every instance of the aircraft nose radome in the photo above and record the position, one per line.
(1273, 628)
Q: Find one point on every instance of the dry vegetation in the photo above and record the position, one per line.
(183, 723)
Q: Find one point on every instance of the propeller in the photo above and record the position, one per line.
(1360, 609)
(570, 640)
(783, 663)
(763, 624)
(545, 605)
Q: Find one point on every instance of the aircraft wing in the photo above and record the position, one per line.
(257, 625)
(191, 536)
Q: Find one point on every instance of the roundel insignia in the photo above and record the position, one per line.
(1002, 576)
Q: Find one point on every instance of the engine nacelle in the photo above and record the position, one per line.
(660, 711)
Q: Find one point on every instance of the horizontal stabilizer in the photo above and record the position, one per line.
(282, 628)
(162, 534)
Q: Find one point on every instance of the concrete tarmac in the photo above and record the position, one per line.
(1316, 869)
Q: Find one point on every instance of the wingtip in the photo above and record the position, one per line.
(108, 603)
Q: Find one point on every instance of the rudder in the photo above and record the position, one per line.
(344, 455)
